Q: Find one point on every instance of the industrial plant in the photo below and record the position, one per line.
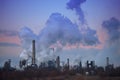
(53, 68)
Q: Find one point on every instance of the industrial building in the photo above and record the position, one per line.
(53, 68)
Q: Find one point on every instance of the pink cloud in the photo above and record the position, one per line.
(10, 39)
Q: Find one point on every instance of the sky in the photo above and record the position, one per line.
(76, 29)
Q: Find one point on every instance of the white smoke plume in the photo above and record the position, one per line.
(58, 32)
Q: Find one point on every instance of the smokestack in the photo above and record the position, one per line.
(58, 62)
(80, 64)
(87, 64)
(107, 61)
(33, 53)
(68, 62)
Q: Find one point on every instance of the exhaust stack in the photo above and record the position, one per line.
(107, 61)
(68, 63)
(33, 53)
(58, 62)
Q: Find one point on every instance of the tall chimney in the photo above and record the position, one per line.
(58, 62)
(80, 64)
(107, 61)
(33, 53)
(68, 62)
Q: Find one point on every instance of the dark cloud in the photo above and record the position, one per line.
(112, 26)
(9, 44)
(76, 5)
(8, 33)
(89, 36)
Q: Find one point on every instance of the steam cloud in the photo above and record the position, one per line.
(58, 29)
(76, 5)
(27, 35)
(58, 32)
